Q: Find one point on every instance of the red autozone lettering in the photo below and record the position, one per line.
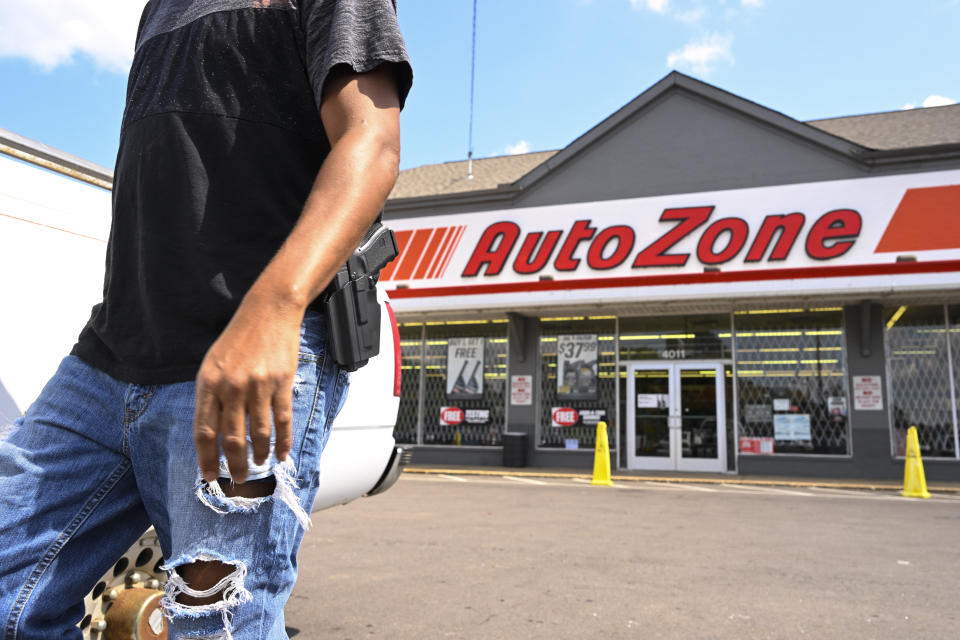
(718, 242)
(565, 416)
(656, 254)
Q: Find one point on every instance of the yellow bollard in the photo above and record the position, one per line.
(601, 458)
(914, 480)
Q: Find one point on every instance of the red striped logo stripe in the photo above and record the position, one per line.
(442, 254)
(411, 255)
(430, 255)
(451, 251)
(425, 254)
(402, 238)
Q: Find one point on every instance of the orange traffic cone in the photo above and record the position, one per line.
(601, 458)
(914, 480)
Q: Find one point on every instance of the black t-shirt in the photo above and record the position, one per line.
(220, 144)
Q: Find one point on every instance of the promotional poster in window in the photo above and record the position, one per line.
(577, 367)
(465, 368)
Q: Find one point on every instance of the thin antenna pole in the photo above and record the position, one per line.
(473, 76)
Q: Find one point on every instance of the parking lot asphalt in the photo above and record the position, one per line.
(507, 556)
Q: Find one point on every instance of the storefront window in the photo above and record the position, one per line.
(791, 370)
(411, 350)
(465, 373)
(577, 381)
(918, 366)
(700, 337)
(953, 314)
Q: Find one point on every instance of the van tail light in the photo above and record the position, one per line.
(396, 350)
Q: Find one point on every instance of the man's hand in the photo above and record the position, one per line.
(249, 369)
(247, 373)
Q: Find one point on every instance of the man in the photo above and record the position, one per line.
(259, 141)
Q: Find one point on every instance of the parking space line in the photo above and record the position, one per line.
(684, 486)
(945, 496)
(723, 487)
(431, 478)
(757, 489)
(615, 485)
(839, 494)
(828, 492)
(525, 480)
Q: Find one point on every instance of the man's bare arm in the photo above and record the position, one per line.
(248, 371)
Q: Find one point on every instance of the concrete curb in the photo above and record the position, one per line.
(856, 485)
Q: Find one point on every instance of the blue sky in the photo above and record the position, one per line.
(547, 70)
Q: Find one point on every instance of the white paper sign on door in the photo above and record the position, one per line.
(652, 400)
(521, 390)
(868, 393)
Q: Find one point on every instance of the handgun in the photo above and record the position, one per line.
(353, 314)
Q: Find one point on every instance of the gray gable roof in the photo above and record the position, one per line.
(858, 137)
(451, 177)
(897, 129)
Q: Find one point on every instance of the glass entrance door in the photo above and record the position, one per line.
(675, 416)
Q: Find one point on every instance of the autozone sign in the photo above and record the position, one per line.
(843, 228)
(830, 236)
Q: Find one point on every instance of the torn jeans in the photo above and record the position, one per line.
(95, 461)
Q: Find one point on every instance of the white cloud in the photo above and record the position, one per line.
(937, 101)
(701, 56)
(52, 32)
(657, 6)
(515, 149)
(692, 16)
(751, 3)
(931, 101)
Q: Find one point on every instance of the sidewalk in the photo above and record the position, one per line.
(679, 477)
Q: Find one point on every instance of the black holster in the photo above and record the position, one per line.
(353, 314)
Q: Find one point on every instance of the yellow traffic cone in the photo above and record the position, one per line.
(601, 458)
(914, 480)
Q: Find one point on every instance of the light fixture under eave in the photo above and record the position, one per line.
(896, 316)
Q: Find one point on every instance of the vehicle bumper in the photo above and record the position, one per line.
(398, 459)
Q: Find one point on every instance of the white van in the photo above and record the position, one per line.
(54, 224)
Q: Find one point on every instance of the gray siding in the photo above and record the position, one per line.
(683, 143)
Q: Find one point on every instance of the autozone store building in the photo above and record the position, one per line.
(730, 289)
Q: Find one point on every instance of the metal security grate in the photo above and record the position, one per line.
(920, 378)
(494, 384)
(953, 314)
(411, 351)
(585, 435)
(791, 372)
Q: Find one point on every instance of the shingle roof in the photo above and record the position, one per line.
(451, 177)
(890, 130)
(897, 129)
